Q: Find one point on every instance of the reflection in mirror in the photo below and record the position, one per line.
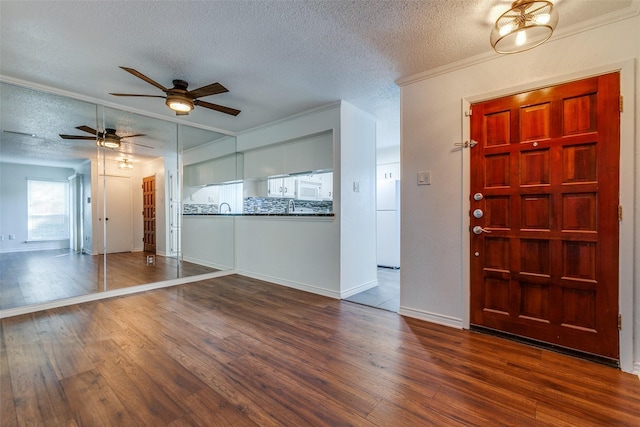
(137, 209)
(45, 233)
(119, 209)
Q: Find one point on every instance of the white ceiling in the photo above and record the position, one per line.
(277, 58)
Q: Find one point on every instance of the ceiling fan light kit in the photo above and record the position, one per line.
(179, 103)
(108, 140)
(528, 24)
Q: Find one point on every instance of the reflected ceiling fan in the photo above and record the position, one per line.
(181, 100)
(107, 139)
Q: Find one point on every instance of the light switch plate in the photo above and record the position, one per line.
(424, 178)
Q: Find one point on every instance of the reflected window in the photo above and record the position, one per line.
(48, 210)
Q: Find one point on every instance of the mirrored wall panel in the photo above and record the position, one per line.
(91, 199)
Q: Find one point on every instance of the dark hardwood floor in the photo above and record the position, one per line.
(35, 277)
(241, 352)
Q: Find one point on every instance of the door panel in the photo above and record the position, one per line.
(149, 213)
(117, 220)
(545, 265)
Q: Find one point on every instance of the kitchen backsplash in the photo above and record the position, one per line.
(199, 208)
(273, 205)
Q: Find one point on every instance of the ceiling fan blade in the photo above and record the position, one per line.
(77, 137)
(137, 94)
(212, 89)
(133, 136)
(139, 75)
(87, 129)
(216, 107)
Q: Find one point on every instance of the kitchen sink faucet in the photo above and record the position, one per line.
(221, 205)
(291, 206)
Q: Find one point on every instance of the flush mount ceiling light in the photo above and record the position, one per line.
(125, 164)
(528, 24)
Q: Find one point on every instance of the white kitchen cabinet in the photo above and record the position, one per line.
(310, 154)
(326, 190)
(388, 171)
(213, 171)
(264, 162)
(284, 187)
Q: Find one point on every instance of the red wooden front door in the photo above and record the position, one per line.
(545, 175)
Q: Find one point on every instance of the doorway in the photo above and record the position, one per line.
(544, 215)
(149, 213)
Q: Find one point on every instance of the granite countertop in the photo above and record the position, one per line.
(319, 214)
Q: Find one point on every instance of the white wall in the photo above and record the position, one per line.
(358, 267)
(13, 204)
(386, 155)
(317, 254)
(434, 274)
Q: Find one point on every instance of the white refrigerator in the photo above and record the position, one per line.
(388, 219)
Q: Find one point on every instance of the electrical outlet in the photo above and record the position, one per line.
(1, 237)
(12, 237)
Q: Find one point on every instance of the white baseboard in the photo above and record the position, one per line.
(290, 284)
(440, 319)
(636, 369)
(207, 263)
(10, 312)
(357, 289)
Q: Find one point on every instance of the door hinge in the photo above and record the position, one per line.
(619, 322)
(468, 113)
(621, 103)
(619, 213)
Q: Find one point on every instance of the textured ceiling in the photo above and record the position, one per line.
(277, 58)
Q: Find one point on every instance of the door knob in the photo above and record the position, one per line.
(479, 230)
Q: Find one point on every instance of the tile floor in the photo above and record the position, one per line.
(386, 295)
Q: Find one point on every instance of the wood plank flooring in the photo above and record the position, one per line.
(241, 352)
(35, 277)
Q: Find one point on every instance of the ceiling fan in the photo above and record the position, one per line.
(181, 100)
(107, 139)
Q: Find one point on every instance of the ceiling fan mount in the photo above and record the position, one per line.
(181, 100)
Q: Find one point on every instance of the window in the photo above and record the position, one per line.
(48, 210)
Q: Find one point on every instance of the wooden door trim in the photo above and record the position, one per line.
(628, 176)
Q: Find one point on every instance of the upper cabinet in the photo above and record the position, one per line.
(263, 162)
(312, 153)
(215, 171)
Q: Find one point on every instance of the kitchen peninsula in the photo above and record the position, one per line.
(317, 236)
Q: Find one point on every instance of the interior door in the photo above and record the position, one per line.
(544, 194)
(149, 213)
(115, 215)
